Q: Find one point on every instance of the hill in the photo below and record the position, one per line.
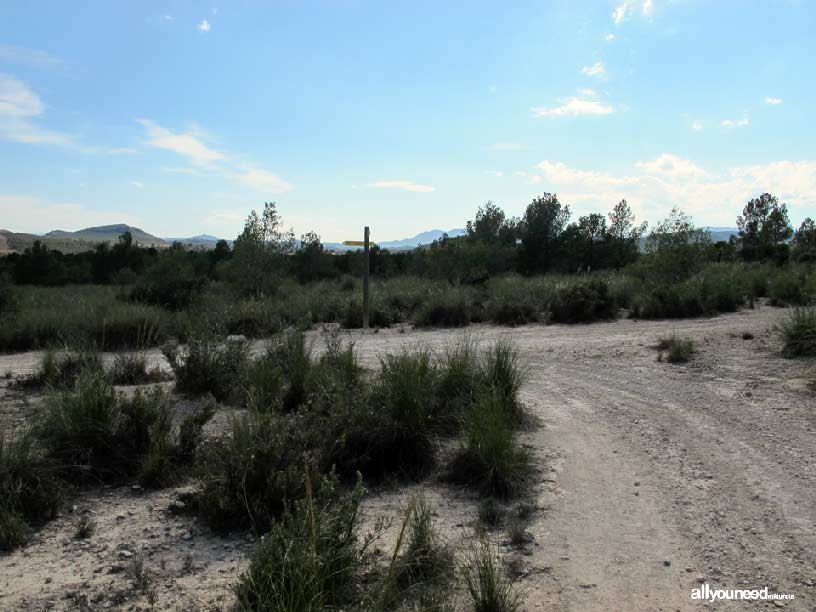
(108, 233)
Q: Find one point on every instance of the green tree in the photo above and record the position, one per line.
(624, 235)
(256, 256)
(676, 247)
(764, 228)
(804, 241)
(540, 231)
(492, 226)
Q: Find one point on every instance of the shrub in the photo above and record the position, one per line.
(512, 313)
(208, 364)
(308, 560)
(62, 369)
(8, 299)
(490, 512)
(460, 379)
(583, 302)
(504, 376)
(788, 287)
(406, 389)
(248, 477)
(492, 459)
(798, 332)
(132, 369)
(490, 590)
(678, 350)
(449, 308)
(30, 492)
(427, 560)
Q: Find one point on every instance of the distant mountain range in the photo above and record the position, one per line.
(85, 239)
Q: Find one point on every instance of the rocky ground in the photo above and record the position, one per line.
(652, 478)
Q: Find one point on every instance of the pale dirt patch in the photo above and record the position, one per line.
(650, 477)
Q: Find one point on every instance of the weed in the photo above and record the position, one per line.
(85, 527)
(490, 512)
(490, 590)
(132, 369)
(427, 560)
(678, 349)
(208, 364)
(798, 332)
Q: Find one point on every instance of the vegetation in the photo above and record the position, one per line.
(489, 588)
(798, 332)
(677, 349)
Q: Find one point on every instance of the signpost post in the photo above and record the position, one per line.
(365, 244)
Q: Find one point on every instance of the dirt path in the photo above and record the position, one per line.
(652, 477)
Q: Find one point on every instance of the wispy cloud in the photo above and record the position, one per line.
(697, 126)
(772, 101)
(29, 214)
(20, 110)
(575, 107)
(609, 37)
(654, 186)
(506, 146)
(204, 26)
(627, 8)
(404, 185)
(188, 144)
(597, 70)
(730, 123)
(497, 173)
(31, 57)
(262, 180)
(137, 184)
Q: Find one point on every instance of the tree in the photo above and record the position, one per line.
(540, 230)
(677, 248)
(592, 235)
(492, 226)
(311, 261)
(257, 249)
(804, 241)
(624, 234)
(764, 228)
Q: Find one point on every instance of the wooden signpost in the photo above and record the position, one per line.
(365, 244)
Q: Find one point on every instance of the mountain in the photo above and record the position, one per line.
(423, 238)
(108, 233)
(202, 241)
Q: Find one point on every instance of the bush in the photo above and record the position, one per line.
(248, 477)
(30, 492)
(8, 299)
(132, 369)
(583, 302)
(308, 560)
(427, 561)
(208, 364)
(449, 308)
(788, 287)
(678, 350)
(490, 590)
(798, 332)
(504, 376)
(492, 460)
(61, 370)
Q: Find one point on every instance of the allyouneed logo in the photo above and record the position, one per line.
(706, 593)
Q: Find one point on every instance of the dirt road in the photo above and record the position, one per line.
(653, 477)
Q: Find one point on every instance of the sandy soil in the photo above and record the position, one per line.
(652, 478)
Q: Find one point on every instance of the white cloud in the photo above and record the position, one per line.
(224, 217)
(772, 101)
(24, 55)
(137, 184)
(496, 173)
(574, 107)
(609, 37)
(204, 26)
(20, 107)
(263, 180)
(627, 8)
(506, 146)
(729, 123)
(595, 70)
(586, 92)
(30, 214)
(652, 187)
(187, 144)
(404, 185)
(697, 125)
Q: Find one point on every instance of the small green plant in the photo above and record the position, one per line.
(85, 526)
(132, 369)
(798, 332)
(677, 349)
(309, 559)
(492, 460)
(504, 376)
(427, 561)
(490, 512)
(61, 369)
(489, 588)
(208, 364)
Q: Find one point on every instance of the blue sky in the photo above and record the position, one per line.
(181, 116)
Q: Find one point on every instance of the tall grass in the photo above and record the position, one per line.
(489, 588)
(798, 332)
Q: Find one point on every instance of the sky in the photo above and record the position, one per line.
(179, 117)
